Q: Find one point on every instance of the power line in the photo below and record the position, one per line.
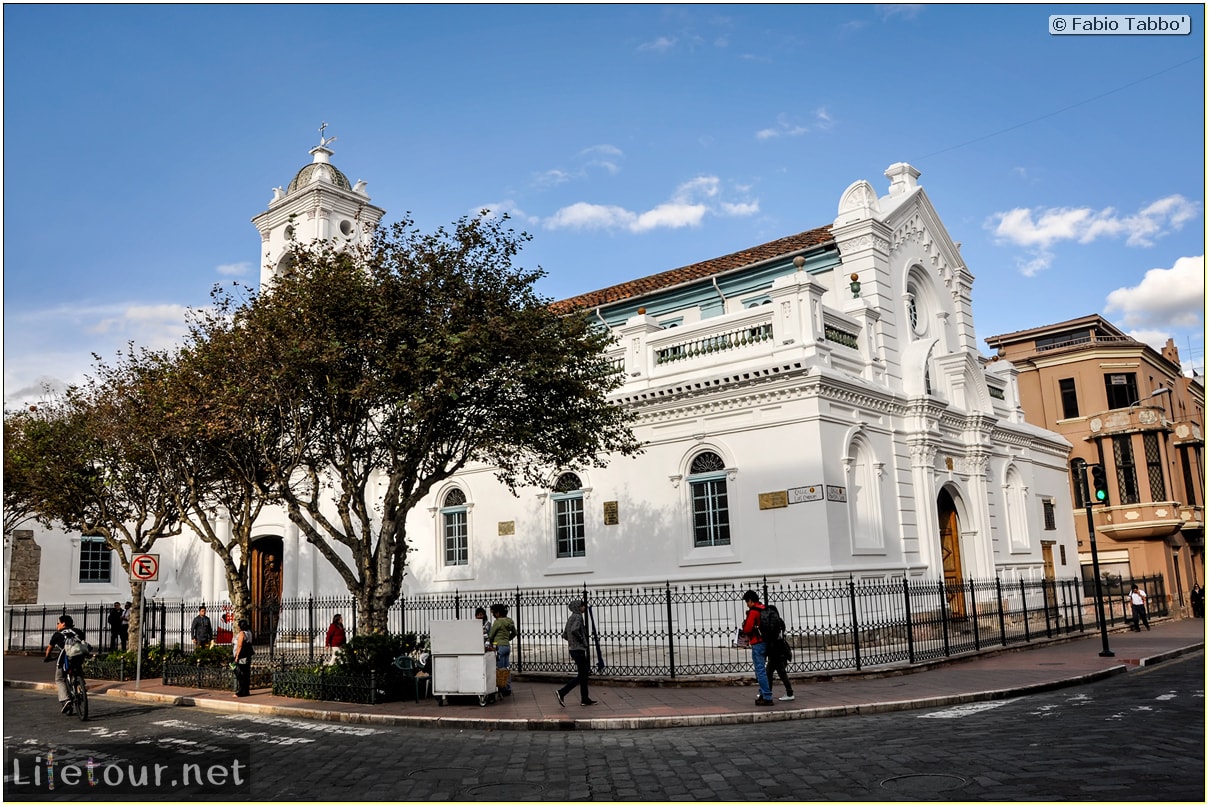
(1058, 111)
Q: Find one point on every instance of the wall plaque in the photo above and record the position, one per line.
(610, 513)
(774, 500)
(837, 493)
(507, 528)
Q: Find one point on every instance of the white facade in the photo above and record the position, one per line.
(812, 408)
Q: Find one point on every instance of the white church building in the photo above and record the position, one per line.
(813, 408)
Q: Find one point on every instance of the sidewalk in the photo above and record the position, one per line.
(1011, 672)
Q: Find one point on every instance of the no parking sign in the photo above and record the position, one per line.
(145, 567)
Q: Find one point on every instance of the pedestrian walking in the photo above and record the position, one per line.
(779, 656)
(335, 638)
(750, 631)
(1137, 601)
(202, 629)
(575, 633)
(243, 659)
(126, 624)
(502, 631)
(114, 620)
(1198, 601)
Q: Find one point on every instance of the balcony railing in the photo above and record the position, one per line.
(714, 343)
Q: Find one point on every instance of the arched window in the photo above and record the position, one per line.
(1015, 493)
(863, 499)
(568, 500)
(453, 516)
(711, 511)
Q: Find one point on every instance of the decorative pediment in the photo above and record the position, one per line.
(858, 203)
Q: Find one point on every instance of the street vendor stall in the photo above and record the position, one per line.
(461, 665)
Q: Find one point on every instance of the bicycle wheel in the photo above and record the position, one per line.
(79, 697)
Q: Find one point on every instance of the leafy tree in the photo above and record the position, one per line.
(20, 463)
(213, 438)
(392, 365)
(76, 464)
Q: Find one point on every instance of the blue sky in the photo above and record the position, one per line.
(140, 140)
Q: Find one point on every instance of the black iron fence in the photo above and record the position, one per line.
(675, 631)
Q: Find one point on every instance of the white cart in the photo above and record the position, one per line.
(460, 665)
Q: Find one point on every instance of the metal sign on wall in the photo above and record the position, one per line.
(800, 495)
(837, 493)
(610, 513)
(774, 500)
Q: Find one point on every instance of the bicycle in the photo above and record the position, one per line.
(77, 688)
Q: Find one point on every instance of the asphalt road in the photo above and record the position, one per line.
(1134, 737)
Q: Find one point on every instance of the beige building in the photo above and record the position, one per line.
(1123, 405)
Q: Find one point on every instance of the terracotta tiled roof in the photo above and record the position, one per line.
(697, 271)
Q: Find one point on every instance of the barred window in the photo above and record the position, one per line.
(1047, 511)
(569, 517)
(711, 510)
(1127, 478)
(1154, 467)
(96, 560)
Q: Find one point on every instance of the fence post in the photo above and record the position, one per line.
(1045, 596)
(856, 627)
(1024, 609)
(671, 637)
(310, 628)
(910, 626)
(944, 614)
(163, 608)
(457, 604)
(974, 607)
(518, 657)
(999, 599)
(764, 589)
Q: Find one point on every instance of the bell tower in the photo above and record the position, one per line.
(318, 205)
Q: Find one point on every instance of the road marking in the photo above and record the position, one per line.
(960, 711)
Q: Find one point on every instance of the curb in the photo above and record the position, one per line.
(601, 723)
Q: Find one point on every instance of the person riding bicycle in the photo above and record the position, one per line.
(63, 630)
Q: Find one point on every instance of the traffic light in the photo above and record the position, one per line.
(1099, 484)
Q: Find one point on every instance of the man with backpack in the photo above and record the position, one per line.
(759, 648)
(70, 642)
(772, 629)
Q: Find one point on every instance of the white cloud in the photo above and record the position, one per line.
(1039, 229)
(1084, 225)
(583, 215)
(551, 178)
(54, 346)
(500, 208)
(822, 121)
(234, 269)
(1172, 297)
(670, 215)
(604, 156)
(687, 207)
(661, 44)
(906, 11)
